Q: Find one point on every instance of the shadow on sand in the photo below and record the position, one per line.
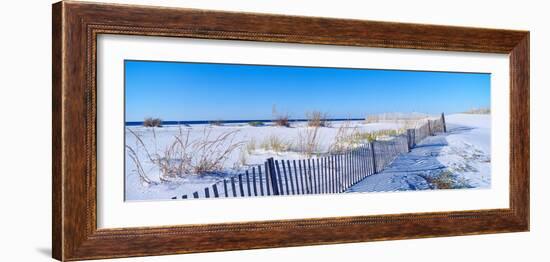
(419, 169)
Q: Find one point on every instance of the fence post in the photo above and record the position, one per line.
(225, 188)
(241, 189)
(373, 157)
(261, 184)
(444, 125)
(233, 187)
(215, 189)
(248, 184)
(267, 178)
(254, 181)
(279, 178)
(296, 176)
(290, 176)
(413, 137)
(410, 139)
(273, 176)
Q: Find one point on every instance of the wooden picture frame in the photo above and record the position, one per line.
(76, 26)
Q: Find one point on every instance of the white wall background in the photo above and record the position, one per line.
(25, 147)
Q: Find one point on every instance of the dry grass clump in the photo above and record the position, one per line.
(152, 122)
(349, 137)
(210, 154)
(407, 118)
(478, 111)
(410, 123)
(317, 119)
(182, 156)
(344, 139)
(276, 144)
(282, 120)
(358, 137)
(308, 141)
(243, 157)
(442, 181)
(387, 133)
(251, 146)
(446, 180)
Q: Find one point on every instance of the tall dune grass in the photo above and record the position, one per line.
(183, 157)
(317, 119)
(276, 144)
(349, 137)
(394, 117)
(308, 141)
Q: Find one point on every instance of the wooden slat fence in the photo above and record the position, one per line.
(328, 174)
(430, 128)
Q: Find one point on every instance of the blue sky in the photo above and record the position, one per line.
(202, 91)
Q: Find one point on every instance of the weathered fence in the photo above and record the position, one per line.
(328, 174)
(429, 128)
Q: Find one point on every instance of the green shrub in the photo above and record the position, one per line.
(255, 123)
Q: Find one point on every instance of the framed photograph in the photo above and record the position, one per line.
(181, 130)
